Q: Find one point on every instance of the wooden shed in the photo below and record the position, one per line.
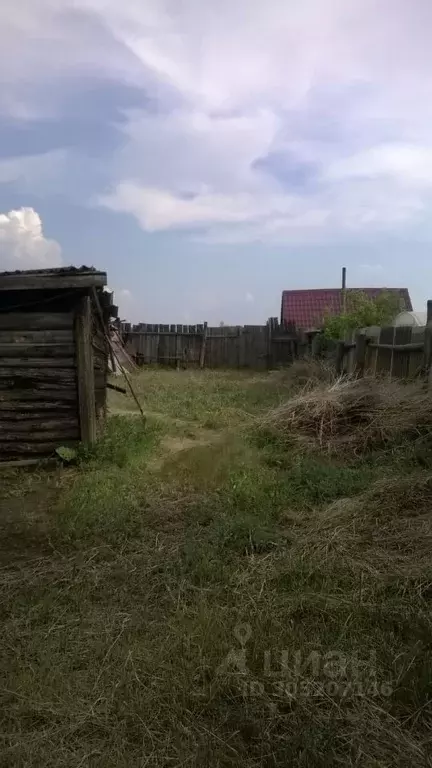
(53, 359)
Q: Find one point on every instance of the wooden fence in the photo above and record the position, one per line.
(403, 352)
(248, 346)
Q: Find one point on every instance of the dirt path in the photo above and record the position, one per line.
(172, 445)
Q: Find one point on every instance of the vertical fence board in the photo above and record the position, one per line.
(269, 328)
(372, 335)
(241, 348)
(416, 359)
(85, 372)
(385, 356)
(360, 352)
(401, 358)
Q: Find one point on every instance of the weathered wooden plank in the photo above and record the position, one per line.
(183, 329)
(284, 338)
(17, 411)
(340, 354)
(269, 344)
(36, 337)
(384, 363)
(372, 334)
(47, 352)
(228, 335)
(32, 363)
(106, 299)
(85, 372)
(360, 353)
(402, 352)
(39, 393)
(427, 347)
(36, 426)
(42, 390)
(416, 360)
(53, 281)
(39, 436)
(203, 346)
(242, 348)
(35, 321)
(411, 347)
(17, 448)
(101, 328)
(38, 374)
(21, 462)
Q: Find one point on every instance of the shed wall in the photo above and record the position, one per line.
(38, 383)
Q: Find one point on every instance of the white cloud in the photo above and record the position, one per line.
(23, 244)
(338, 85)
(249, 298)
(274, 218)
(158, 209)
(406, 163)
(245, 81)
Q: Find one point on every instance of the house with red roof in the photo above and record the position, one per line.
(307, 309)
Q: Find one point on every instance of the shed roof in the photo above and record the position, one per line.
(52, 279)
(307, 308)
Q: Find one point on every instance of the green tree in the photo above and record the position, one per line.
(361, 311)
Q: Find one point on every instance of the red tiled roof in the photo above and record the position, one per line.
(307, 308)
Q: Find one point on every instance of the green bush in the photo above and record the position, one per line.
(361, 312)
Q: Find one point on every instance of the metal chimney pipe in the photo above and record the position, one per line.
(344, 272)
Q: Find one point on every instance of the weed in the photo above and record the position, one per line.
(123, 441)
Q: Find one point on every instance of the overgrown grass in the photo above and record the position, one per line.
(231, 603)
(211, 399)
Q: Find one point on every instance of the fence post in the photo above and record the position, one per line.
(340, 354)
(360, 353)
(85, 371)
(428, 345)
(203, 346)
(269, 342)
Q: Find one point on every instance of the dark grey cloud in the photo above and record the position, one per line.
(90, 113)
(293, 174)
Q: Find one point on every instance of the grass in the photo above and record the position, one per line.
(195, 593)
(211, 399)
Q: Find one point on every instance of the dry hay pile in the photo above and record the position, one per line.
(353, 415)
(310, 372)
(388, 528)
(305, 373)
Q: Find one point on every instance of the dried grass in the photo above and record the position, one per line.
(307, 372)
(386, 529)
(353, 415)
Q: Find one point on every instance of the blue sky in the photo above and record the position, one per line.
(210, 154)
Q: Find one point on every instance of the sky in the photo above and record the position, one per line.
(209, 154)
